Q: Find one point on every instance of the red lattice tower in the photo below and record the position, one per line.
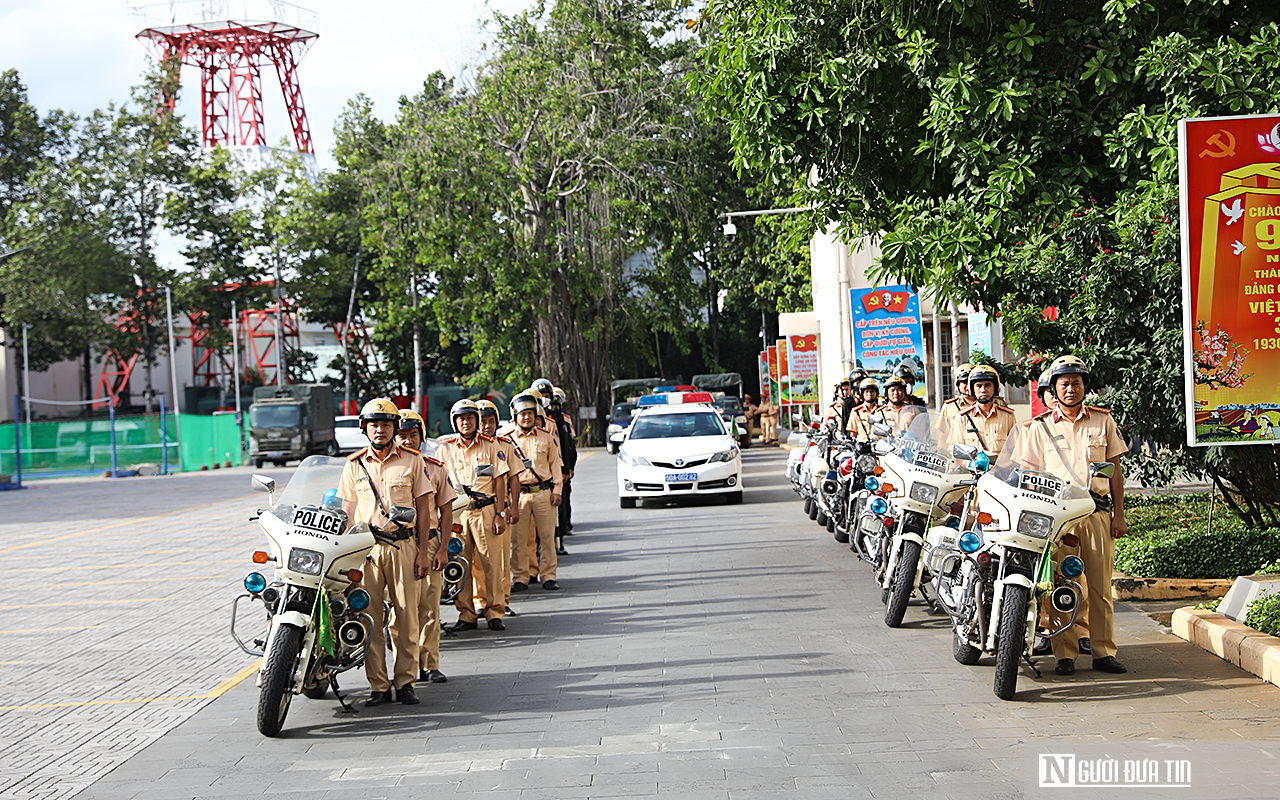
(364, 356)
(230, 56)
(210, 366)
(258, 327)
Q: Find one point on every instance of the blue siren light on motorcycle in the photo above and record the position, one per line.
(255, 582)
(878, 505)
(981, 462)
(872, 484)
(331, 499)
(970, 541)
(455, 546)
(358, 600)
(1072, 566)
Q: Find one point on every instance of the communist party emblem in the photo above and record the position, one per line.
(802, 344)
(880, 300)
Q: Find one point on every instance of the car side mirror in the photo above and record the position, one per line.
(1101, 469)
(964, 452)
(405, 515)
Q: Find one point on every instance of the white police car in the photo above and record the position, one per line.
(678, 446)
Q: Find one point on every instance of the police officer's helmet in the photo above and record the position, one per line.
(487, 408)
(896, 381)
(541, 398)
(525, 401)
(1042, 385)
(857, 375)
(545, 387)
(463, 406)
(983, 372)
(845, 382)
(1067, 365)
(558, 395)
(905, 372)
(380, 409)
(410, 419)
(868, 383)
(962, 373)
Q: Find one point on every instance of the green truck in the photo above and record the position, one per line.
(289, 423)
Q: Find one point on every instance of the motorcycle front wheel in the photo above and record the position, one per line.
(277, 674)
(808, 505)
(904, 575)
(1011, 640)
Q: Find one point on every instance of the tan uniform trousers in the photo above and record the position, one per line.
(388, 576)
(1098, 550)
(428, 614)
(480, 546)
(536, 511)
(479, 580)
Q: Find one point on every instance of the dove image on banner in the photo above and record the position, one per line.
(1230, 197)
(887, 332)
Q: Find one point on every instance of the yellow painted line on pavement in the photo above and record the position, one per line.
(6, 663)
(140, 566)
(109, 583)
(117, 525)
(119, 553)
(221, 689)
(92, 602)
(42, 630)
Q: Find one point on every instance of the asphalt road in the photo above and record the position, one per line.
(696, 651)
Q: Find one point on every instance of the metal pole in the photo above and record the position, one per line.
(114, 464)
(17, 442)
(26, 376)
(939, 389)
(173, 376)
(282, 369)
(164, 441)
(235, 369)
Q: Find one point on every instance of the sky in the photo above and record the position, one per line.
(79, 55)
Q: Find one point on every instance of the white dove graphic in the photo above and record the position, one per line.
(1237, 247)
(1234, 211)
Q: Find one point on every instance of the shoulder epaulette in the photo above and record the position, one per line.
(952, 400)
(357, 454)
(411, 450)
(1005, 409)
(434, 460)
(487, 437)
(1044, 414)
(448, 437)
(1103, 410)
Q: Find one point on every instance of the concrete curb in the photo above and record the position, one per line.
(1125, 587)
(1250, 650)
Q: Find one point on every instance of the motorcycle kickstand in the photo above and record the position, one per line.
(1031, 663)
(346, 707)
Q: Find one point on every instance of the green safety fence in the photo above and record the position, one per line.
(60, 448)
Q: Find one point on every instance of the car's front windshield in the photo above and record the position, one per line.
(623, 410)
(671, 426)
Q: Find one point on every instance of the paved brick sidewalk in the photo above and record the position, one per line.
(700, 652)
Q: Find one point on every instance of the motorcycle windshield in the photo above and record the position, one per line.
(1040, 459)
(919, 439)
(313, 477)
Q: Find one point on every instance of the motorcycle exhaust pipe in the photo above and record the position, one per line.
(1065, 599)
(351, 633)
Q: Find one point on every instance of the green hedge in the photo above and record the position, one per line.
(1264, 615)
(1169, 537)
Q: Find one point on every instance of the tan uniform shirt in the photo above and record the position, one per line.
(985, 430)
(859, 424)
(538, 446)
(1065, 447)
(479, 465)
(439, 478)
(399, 479)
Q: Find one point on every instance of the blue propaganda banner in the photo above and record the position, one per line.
(887, 332)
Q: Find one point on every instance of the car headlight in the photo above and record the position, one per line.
(637, 461)
(308, 562)
(614, 428)
(924, 492)
(1035, 525)
(724, 455)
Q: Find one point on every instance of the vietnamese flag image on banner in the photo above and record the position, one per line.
(775, 394)
(784, 373)
(764, 376)
(892, 299)
(1230, 197)
(802, 361)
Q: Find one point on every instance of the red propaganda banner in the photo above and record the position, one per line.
(784, 373)
(1230, 192)
(764, 377)
(775, 393)
(886, 300)
(802, 363)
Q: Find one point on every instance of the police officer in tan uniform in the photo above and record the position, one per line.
(489, 427)
(1064, 441)
(375, 479)
(410, 436)
(541, 482)
(895, 395)
(985, 424)
(835, 410)
(859, 424)
(961, 400)
(478, 468)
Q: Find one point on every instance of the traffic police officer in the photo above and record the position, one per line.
(859, 416)
(895, 392)
(411, 436)
(986, 424)
(569, 463)
(1066, 440)
(489, 427)
(541, 484)
(477, 467)
(907, 374)
(375, 479)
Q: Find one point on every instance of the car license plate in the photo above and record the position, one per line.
(680, 477)
(275, 454)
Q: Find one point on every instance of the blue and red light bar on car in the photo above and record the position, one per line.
(675, 398)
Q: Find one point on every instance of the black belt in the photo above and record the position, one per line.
(529, 487)
(481, 502)
(1101, 502)
(400, 535)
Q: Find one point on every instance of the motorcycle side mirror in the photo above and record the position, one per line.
(876, 419)
(881, 448)
(880, 429)
(1101, 469)
(405, 515)
(261, 483)
(798, 419)
(964, 452)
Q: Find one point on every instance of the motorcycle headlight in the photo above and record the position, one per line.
(1035, 525)
(724, 455)
(256, 582)
(358, 600)
(970, 541)
(866, 464)
(924, 493)
(1072, 566)
(308, 562)
(878, 505)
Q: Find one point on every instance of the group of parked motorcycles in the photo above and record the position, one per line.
(971, 533)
